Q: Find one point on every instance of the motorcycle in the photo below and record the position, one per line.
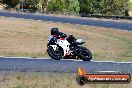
(67, 48)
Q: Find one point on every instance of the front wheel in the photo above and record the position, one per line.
(85, 54)
(55, 54)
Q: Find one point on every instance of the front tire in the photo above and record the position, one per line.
(85, 54)
(54, 54)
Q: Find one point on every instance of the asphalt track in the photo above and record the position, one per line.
(65, 66)
(88, 22)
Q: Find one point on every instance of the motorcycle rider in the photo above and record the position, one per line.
(55, 33)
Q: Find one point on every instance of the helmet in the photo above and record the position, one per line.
(54, 31)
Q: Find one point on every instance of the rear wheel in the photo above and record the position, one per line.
(55, 54)
(85, 54)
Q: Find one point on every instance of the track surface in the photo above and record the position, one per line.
(70, 66)
(89, 22)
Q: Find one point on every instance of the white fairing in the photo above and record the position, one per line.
(62, 43)
(54, 47)
(65, 45)
(79, 40)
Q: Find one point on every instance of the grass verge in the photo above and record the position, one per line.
(28, 38)
(49, 80)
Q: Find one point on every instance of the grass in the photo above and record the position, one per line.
(49, 80)
(28, 38)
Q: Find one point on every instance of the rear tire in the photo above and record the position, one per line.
(85, 54)
(57, 55)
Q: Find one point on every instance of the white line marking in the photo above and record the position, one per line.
(39, 20)
(64, 59)
(85, 25)
(24, 57)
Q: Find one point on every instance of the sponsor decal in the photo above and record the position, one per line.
(83, 77)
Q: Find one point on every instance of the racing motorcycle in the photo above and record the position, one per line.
(67, 48)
